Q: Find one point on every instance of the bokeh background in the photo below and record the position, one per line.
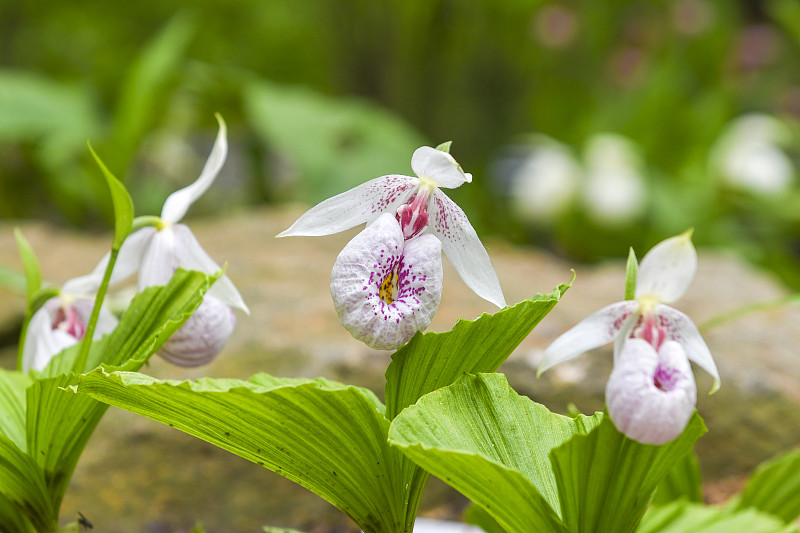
(588, 126)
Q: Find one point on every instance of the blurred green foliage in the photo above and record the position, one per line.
(322, 95)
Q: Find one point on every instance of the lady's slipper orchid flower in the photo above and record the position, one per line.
(651, 392)
(420, 206)
(156, 252)
(664, 275)
(386, 287)
(61, 322)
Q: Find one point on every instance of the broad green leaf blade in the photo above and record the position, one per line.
(22, 483)
(683, 481)
(123, 205)
(631, 273)
(683, 517)
(477, 515)
(327, 437)
(605, 470)
(492, 445)
(12, 406)
(59, 423)
(434, 360)
(59, 426)
(775, 488)
(30, 265)
(12, 518)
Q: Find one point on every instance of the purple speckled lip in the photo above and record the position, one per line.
(386, 288)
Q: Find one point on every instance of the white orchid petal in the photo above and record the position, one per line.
(642, 405)
(593, 331)
(463, 248)
(360, 270)
(681, 329)
(667, 269)
(179, 202)
(191, 256)
(439, 167)
(201, 337)
(40, 346)
(128, 262)
(160, 259)
(106, 321)
(364, 203)
(624, 332)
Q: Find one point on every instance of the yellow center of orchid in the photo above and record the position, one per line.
(388, 291)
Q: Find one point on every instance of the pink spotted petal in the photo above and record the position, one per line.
(439, 167)
(593, 331)
(651, 396)
(463, 248)
(681, 329)
(364, 203)
(667, 269)
(201, 337)
(364, 264)
(178, 203)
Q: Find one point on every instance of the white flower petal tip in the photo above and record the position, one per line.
(438, 166)
(179, 202)
(667, 269)
(651, 395)
(385, 288)
(592, 332)
(201, 337)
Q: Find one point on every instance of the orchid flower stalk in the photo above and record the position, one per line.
(420, 206)
(164, 244)
(651, 393)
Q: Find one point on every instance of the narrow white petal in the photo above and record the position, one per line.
(593, 331)
(681, 329)
(201, 337)
(463, 248)
(667, 269)
(179, 202)
(625, 331)
(360, 270)
(128, 261)
(651, 396)
(160, 259)
(40, 345)
(439, 167)
(191, 256)
(363, 203)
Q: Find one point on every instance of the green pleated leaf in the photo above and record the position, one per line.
(477, 515)
(22, 485)
(493, 445)
(685, 517)
(59, 423)
(775, 488)
(12, 406)
(433, 360)
(123, 205)
(683, 481)
(325, 436)
(12, 518)
(605, 470)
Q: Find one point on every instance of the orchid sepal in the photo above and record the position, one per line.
(667, 269)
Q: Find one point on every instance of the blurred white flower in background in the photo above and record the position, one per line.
(614, 193)
(749, 155)
(546, 182)
(608, 181)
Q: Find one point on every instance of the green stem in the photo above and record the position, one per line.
(98, 302)
(745, 310)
